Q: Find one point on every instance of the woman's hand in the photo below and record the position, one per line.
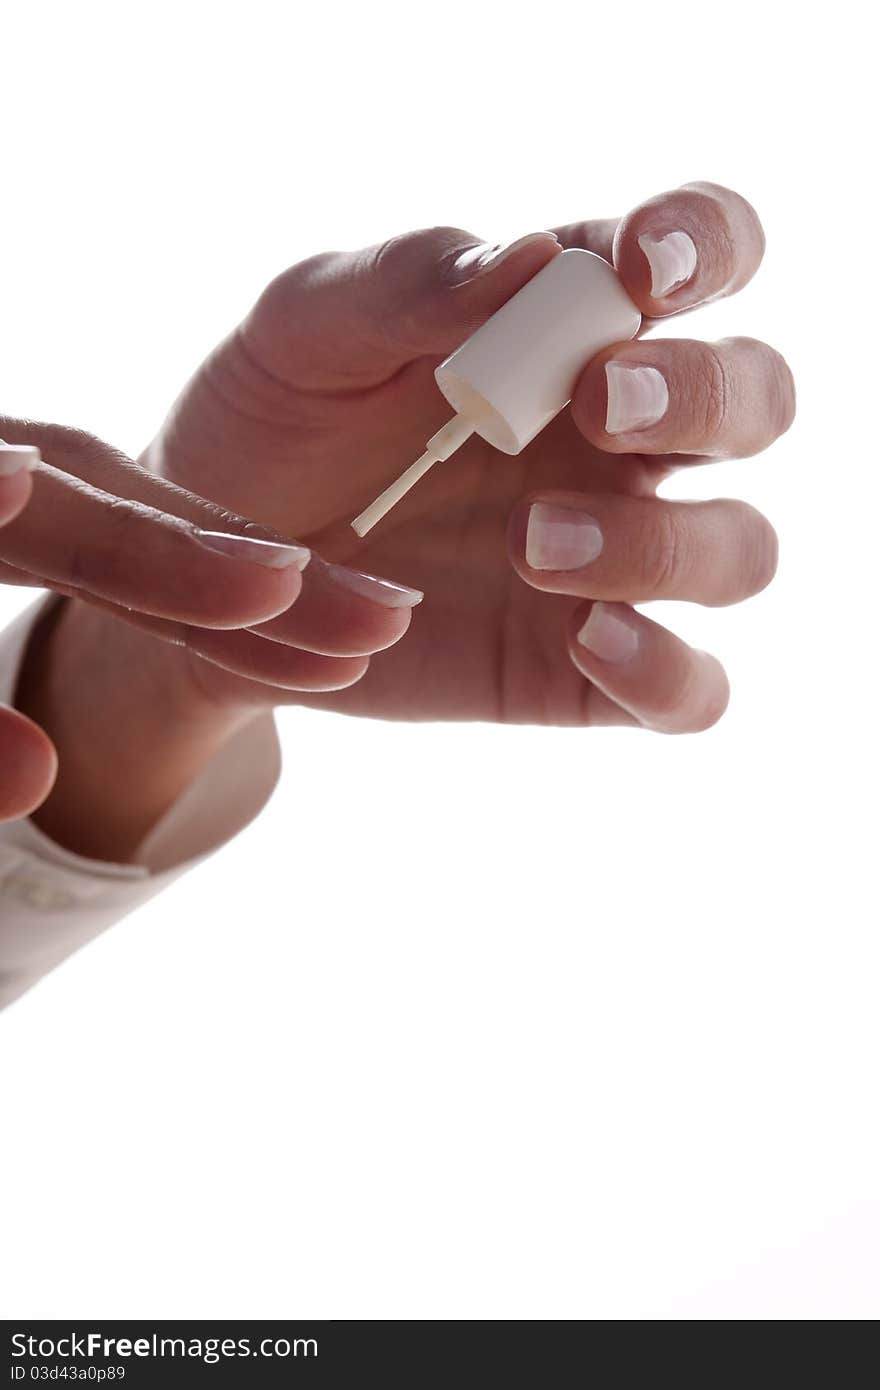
(530, 565)
(102, 530)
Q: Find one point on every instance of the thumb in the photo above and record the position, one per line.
(351, 319)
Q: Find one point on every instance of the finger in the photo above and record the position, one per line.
(698, 242)
(73, 534)
(661, 681)
(268, 667)
(272, 664)
(354, 318)
(80, 537)
(16, 465)
(28, 765)
(343, 612)
(353, 628)
(105, 468)
(678, 249)
(727, 399)
(422, 293)
(610, 546)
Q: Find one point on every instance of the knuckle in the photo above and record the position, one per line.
(663, 553)
(423, 244)
(60, 445)
(416, 259)
(710, 394)
(70, 442)
(99, 559)
(386, 256)
(78, 453)
(413, 271)
(283, 294)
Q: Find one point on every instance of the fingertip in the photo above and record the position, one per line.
(364, 630)
(242, 594)
(29, 762)
(392, 626)
(666, 685)
(275, 665)
(716, 698)
(681, 248)
(345, 612)
(15, 493)
(373, 634)
(757, 542)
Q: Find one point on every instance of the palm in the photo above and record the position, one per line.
(305, 456)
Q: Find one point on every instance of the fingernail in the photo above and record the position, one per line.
(673, 260)
(637, 397)
(17, 458)
(608, 636)
(370, 586)
(479, 260)
(269, 553)
(560, 538)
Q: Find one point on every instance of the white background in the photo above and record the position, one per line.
(475, 1022)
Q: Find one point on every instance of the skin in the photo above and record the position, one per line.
(139, 554)
(323, 395)
(27, 756)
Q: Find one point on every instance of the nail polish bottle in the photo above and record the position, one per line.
(518, 370)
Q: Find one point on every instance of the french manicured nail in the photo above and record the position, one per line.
(560, 538)
(17, 458)
(479, 260)
(607, 636)
(377, 590)
(673, 260)
(637, 397)
(269, 553)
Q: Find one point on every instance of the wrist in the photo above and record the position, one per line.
(131, 721)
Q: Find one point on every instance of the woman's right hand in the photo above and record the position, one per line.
(81, 519)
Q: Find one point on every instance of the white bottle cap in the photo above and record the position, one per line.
(517, 371)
